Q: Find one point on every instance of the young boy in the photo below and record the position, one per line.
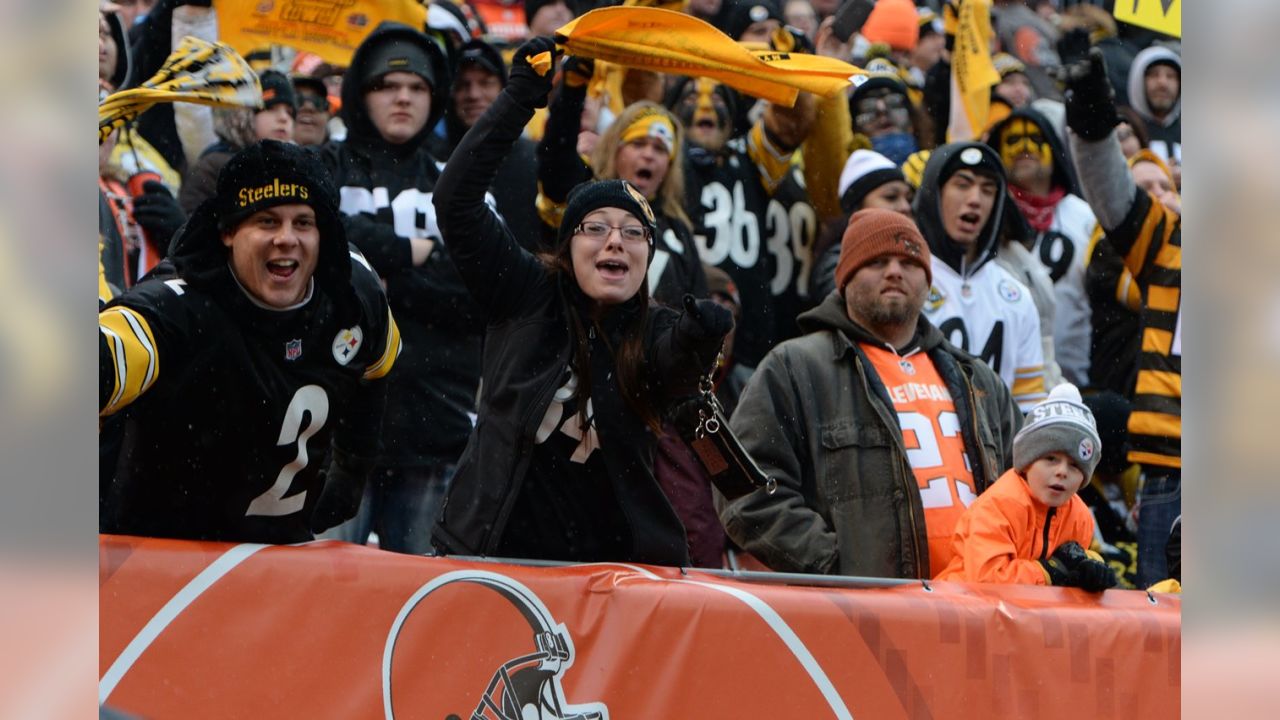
(1030, 527)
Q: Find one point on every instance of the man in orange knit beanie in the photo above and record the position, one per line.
(871, 235)
(889, 431)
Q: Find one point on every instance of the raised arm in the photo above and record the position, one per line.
(1091, 116)
(496, 269)
(560, 167)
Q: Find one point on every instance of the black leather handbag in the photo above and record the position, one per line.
(728, 464)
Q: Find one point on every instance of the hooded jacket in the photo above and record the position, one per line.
(528, 345)
(1166, 135)
(1064, 172)
(386, 194)
(1060, 252)
(123, 77)
(816, 417)
(227, 378)
(1006, 532)
(928, 207)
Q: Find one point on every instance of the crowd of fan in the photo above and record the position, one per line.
(898, 302)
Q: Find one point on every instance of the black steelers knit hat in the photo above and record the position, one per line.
(270, 173)
(598, 194)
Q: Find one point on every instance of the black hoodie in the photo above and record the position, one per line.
(943, 163)
(386, 196)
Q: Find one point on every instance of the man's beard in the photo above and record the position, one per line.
(882, 312)
(893, 312)
(1161, 106)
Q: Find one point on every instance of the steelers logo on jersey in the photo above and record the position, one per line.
(1085, 451)
(935, 299)
(346, 344)
(1009, 291)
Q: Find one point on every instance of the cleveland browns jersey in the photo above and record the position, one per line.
(229, 407)
(992, 316)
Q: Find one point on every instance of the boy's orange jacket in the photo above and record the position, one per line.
(1002, 536)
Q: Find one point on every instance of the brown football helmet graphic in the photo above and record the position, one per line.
(523, 672)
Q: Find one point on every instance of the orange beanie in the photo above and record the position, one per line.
(894, 22)
(874, 232)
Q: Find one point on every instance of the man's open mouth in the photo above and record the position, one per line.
(282, 268)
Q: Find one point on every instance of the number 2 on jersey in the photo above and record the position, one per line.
(309, 401)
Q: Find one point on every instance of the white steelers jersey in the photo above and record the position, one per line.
(993, 317)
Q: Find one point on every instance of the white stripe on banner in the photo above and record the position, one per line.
(780, 628)
(171, 610)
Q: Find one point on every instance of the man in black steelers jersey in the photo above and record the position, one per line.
(250, 360)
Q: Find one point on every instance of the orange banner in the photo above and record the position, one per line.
(193, 630)
(331, 29)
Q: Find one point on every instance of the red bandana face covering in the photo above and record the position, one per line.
(1038, 209)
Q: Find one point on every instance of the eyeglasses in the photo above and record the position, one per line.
(599, 231)
(315, 102)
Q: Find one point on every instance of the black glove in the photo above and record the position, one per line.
(158, 213)
(578, 70)
(705, 318)
(343, 489)
(1093, 576)
(525, 85)
(1090, 100)
(1071, 566)
(1073, 46)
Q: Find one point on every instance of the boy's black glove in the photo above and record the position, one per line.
(1071, 566)
(343, 489)
(1090, 100)
(158, 213)
(525, 85)
(705, 318)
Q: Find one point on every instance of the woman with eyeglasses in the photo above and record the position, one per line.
(579, 364)
(643, 146)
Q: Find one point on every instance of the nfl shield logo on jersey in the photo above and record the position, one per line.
(346, 343)
(293, 349)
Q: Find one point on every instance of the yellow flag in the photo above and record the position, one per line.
(671, 42)
(331, 30)
(1160, 15)
(197, 72)
(972, 72)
